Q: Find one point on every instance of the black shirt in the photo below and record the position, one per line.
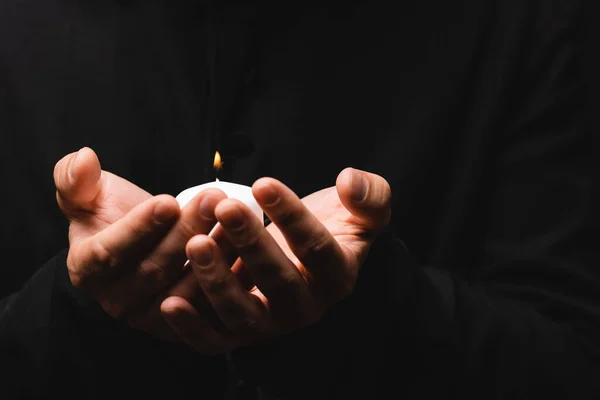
(486, 283)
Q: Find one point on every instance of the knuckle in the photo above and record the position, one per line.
(74, 268)
(314, 245)
(141, 228)
(287, 282)
(288, 217)
(318, 242)
(187, 229)
(216, 287)
(76, 280)
(101, 254)
(152, 273)
(84, 271)
(249, 243)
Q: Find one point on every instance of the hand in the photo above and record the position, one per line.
(304, 262)
(127, 247)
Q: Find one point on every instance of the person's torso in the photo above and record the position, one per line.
(418, 92)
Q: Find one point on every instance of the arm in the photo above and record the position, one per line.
(56, 340)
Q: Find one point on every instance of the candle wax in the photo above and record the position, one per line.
(232, 190)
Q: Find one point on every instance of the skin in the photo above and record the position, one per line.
(245, 282)
(302, 264)
(127, 247)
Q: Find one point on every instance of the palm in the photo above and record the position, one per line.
(348, 229)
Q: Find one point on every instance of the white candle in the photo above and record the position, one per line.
(232, 190)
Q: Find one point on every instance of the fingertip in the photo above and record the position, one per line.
(194, 330)
(166, 209)
(206, 203)
(84, 162)
(346, 173)
(366, 195)
(352, 185)
(226, 207)
(197, 240)
(212, 193)
(71, 169)
(266, 191)
(200, 250)
(173, 306)
(228, 202)
(344, 178)
(167, 199)
(260, 182)
(58, 168)
(80, 176)
(87, 150)
(216, 192)
(168, 306)
(76, 176)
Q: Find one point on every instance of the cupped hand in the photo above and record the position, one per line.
(302, 264)
(127, 247)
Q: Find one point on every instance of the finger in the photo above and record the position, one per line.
(193, 329)
(239, 310)
(243, 274)
(197, 217)
(367, 196)
(224, 244)
(77, 179)
(324, 262)
(271, 270)
(231, 257)
(187, 287)
(105, 253)
(165, 264)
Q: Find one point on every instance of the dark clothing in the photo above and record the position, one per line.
(487, 283)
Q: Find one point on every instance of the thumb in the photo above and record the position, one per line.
(77, 179)
(367, 196)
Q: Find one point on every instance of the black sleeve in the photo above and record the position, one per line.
(54, 340)
(525, 322)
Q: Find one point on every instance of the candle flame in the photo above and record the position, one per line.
(217, 163)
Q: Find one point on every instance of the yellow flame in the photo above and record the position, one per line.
(217, 163)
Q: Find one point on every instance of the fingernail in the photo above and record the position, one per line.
(163, 213)
(233, 219)
(72, 166)
(207, 207)
(358, 187)
(203, 256)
